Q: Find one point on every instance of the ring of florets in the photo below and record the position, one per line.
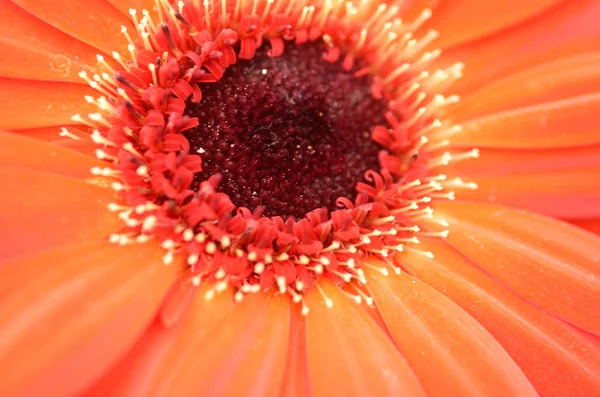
(141, 119)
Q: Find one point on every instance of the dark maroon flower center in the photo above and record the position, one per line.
(290, 133)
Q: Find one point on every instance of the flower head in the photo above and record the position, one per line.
(255, 197)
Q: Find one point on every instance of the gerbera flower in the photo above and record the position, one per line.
(258, 198)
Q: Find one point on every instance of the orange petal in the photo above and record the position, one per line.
(503, 162)
(562, 123)
(83, 146)
(52, 133)
(142, 369)
(434, 333)
(243, 355)
(570, 194)
(557, 361)
(18, 151)
(550, 263)
(125, 5)
(75, 312)
(563, 78)
(349, 355)
(567, 29)
(558, 182)
(221, 348)
(295, 381)
(412, 9)
(32, 104)
(30, 49)
(460, 21)
(43, 210)
(96, 22)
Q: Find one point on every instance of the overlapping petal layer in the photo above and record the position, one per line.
(550, 263)
(80, 313)
(432, 332)
(242, 347)
(567, 77)
(564, 363)
(95, 22)
(52, 103)
(74, 312)
(42, 210)
(567, 29)
(26, 153)
(459, 21)
(32, 49)
(349, 355)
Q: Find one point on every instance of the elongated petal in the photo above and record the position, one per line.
(550, 263)
(435, 334)
(95, 22)
(558, 79)
(85, 147)
(31, 49)
(564, 363)
(142, 369)
(460, 21)
(562, 123)
(18, 151)
(243, 355)
(52, 133)
(220, 348)
(567, 29)
(505, 162)
(43, 210)
(29, 104)
(349, 355)
(556, 182)
(75, 312)
(570, 194)
(295, 382)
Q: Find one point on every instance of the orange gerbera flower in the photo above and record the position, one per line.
(257, 197)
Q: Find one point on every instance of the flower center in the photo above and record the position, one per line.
(289, 133)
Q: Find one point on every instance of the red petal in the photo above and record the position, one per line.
(31, 49)
(432, 332)
(96, 23)
(551, 263)
(42, 210)
(591, 225)
(29, 104)
(557, 360)
(349, 355)
(74, 313)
